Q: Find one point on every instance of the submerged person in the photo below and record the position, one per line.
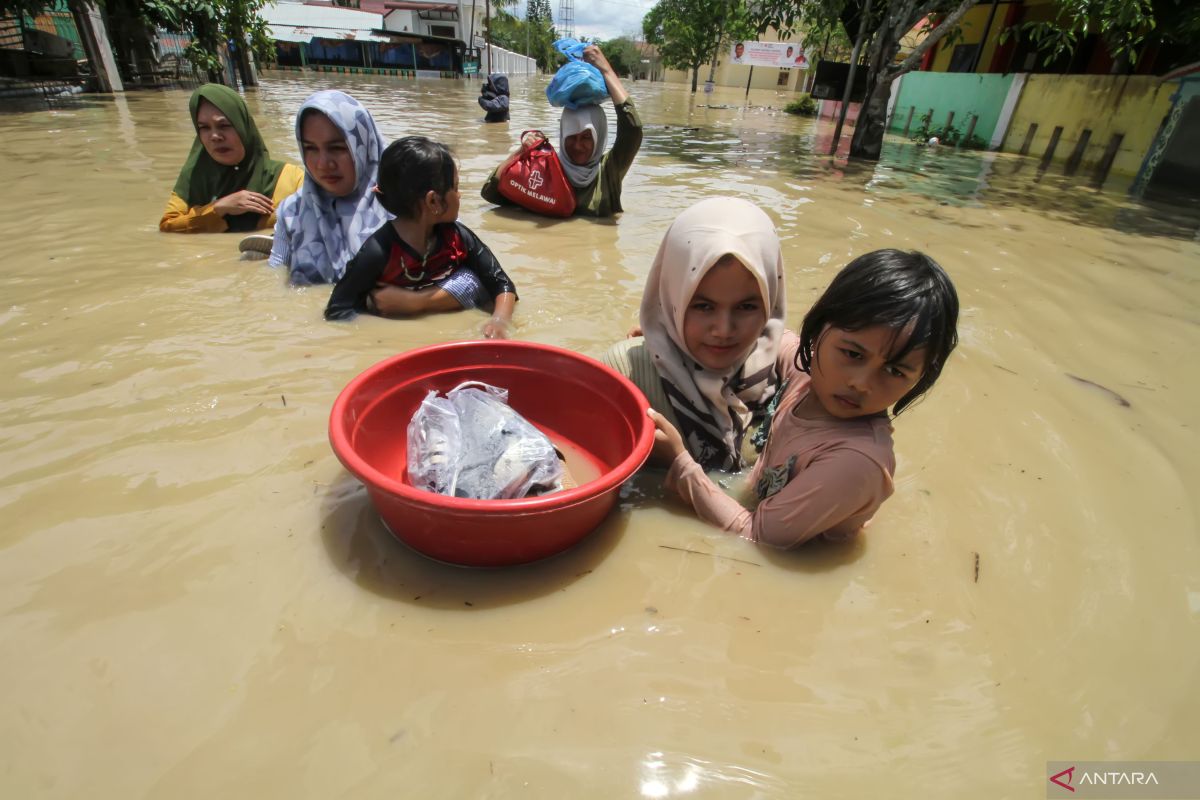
(711, 351)
(322, 227)
(229, 181)
(595, 176)
(424, 260)
(493, 98)
(875, 341)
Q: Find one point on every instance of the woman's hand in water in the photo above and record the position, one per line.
(634, 332)
(668, 444)
(243, 202)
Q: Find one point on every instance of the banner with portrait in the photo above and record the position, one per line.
(782, 55)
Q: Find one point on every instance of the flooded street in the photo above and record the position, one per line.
(197, 600)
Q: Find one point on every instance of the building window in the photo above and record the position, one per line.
(784, 76)
(445, 31)
(962, 57)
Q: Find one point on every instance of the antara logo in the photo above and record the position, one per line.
(1069, 772)
(536, 180)
(1095, 778)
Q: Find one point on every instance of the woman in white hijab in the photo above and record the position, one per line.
(321, 227)
(596, 176)
(713, 346)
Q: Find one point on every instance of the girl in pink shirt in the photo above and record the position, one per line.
(877, 339)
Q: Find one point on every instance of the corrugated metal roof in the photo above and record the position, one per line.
(297, 22)
(301, 33)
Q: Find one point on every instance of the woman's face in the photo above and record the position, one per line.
(580, 146)
(725, 317)
(854, 375)
(327, 157)
(218, 135)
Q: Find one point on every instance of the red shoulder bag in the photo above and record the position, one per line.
(535, 179)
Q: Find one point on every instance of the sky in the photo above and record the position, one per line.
(601, 19)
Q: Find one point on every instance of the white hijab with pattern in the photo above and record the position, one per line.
(325, 232)
(714, 408)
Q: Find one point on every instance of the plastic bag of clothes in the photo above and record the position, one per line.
(493, 98)
(470, 443)
(577, 83)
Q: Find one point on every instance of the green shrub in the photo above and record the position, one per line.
(803, 105)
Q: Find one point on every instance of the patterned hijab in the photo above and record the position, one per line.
(324, 232)
(202, 180)
(578, 120)
(714, 408)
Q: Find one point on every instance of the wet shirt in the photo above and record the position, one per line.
(816, 477)
(601, 198)
(179, 217)
(386, 258)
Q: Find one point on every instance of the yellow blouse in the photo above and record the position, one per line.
(178, 217)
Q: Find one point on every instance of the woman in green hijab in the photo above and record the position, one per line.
(229, 182)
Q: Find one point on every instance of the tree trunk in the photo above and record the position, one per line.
(242, 60)
(695, 76)
(872, 119)
(899, 16)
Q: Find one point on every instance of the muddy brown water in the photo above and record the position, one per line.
(197, 600)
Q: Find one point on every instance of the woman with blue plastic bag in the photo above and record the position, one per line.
(595, 176)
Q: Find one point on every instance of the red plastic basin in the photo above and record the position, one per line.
(575, 400)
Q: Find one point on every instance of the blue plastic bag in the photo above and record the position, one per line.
(577, 83)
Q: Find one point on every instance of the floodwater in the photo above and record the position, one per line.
(197, 601)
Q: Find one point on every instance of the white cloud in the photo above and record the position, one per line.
(602, 19)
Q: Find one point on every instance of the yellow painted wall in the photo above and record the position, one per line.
(974, 23)
(972, 32)
(1133, 105)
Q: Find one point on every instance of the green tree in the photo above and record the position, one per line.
(687, 32)
(539, 23)
(1127, 27)
(534, 35)
(622, 53)
(208, 23)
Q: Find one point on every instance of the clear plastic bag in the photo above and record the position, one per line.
(470, 443)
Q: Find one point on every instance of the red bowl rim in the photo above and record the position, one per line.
(373, 478)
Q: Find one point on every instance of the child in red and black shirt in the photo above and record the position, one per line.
(424, 260)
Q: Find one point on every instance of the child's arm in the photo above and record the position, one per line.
(350, 295)
(842, 487)
(483, 263)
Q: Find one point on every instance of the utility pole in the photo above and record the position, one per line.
(487, 26)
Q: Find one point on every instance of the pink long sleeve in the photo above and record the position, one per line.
(834, 495)
(822, 477)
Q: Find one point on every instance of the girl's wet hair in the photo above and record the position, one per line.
(904, 291)
(411, 167)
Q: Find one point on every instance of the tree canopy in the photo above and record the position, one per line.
(534, 35)
(687, 32)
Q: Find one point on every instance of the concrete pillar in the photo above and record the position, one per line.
(94, 35)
